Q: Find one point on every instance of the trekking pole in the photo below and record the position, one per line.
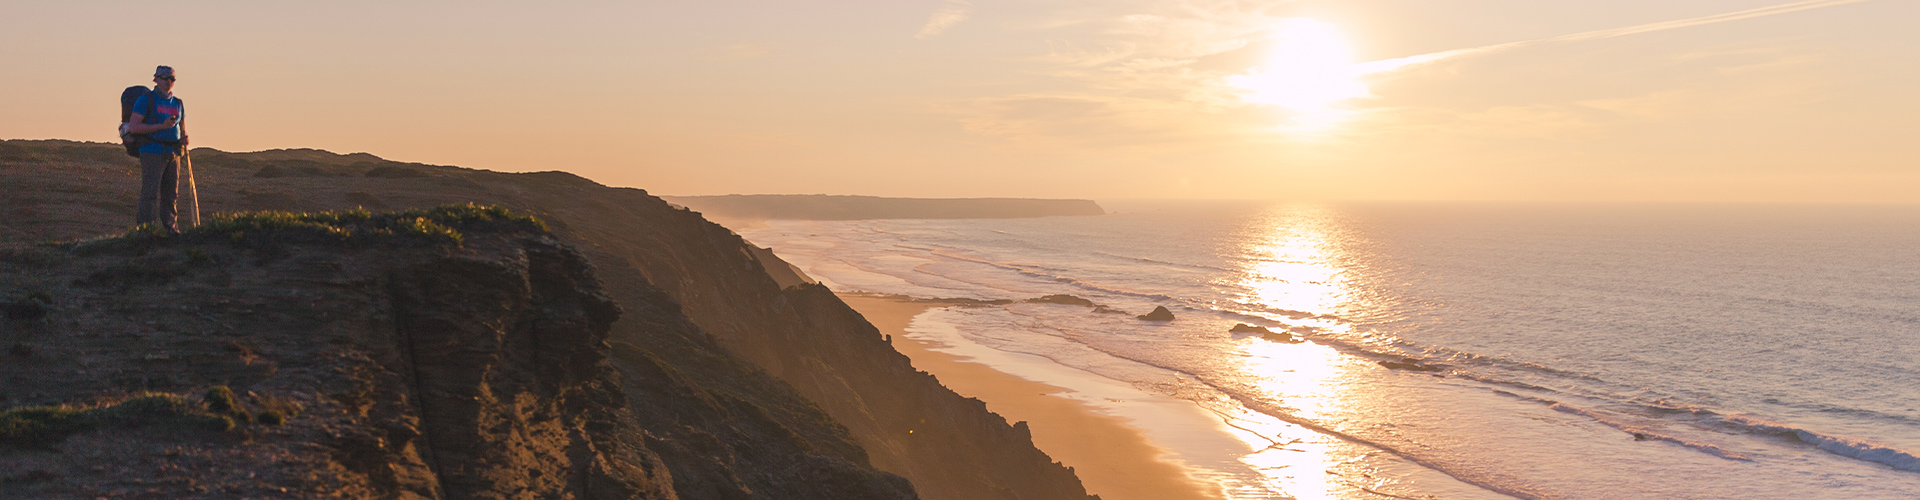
(193, 193)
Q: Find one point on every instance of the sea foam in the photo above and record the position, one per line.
(1846, 447)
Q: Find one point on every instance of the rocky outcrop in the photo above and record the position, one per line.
(1269, 335)
(419, 372)
(1410, 364)
(424, 358)
(1062, 299)
(1160, 313)
(1246, 328)
(747, 367)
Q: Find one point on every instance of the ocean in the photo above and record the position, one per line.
(1447, 350)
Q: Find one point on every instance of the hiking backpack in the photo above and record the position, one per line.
(127, 99)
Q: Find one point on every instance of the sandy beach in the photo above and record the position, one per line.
(1113, 460)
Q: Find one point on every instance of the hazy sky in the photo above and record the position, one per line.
(1702, 100)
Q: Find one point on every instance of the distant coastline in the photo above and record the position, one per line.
(837, 207)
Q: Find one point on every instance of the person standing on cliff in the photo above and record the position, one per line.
(162, 117)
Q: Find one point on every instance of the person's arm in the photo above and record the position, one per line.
(135, 127)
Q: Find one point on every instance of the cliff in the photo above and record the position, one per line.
(450, 353)
(702, 316)
(833, 207)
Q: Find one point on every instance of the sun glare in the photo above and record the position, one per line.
(1309, 70)
(1298, 266)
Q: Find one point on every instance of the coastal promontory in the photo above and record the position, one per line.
(336, 334)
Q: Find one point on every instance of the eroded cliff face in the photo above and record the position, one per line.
(394, 367)
(418, 372)
(689, 288)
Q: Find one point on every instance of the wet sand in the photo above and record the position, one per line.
(1113, 460)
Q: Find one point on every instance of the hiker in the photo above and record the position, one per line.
(160, 116)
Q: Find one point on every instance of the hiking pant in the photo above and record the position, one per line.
(159, 185)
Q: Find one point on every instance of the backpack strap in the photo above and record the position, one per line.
(146, 113)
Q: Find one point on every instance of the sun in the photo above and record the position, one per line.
(1310, 70)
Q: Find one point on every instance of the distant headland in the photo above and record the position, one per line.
(836, 207)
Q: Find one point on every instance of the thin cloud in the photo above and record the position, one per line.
(1143, 76)
(950, 14)
(1403, 63)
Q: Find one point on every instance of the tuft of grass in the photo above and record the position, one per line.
(38, 426)
(219, 399)
(162, 408)
(278, 407)
(423, 228)
(42, 426)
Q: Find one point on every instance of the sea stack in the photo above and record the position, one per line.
(1160, 313)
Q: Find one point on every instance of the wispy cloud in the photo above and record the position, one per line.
(1397, 64)
(1144, 73)
(1164, 71)
(952, 13)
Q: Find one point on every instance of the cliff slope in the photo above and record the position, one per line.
(649, 255)
(450, 353)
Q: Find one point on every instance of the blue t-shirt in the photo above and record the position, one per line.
(163, 109)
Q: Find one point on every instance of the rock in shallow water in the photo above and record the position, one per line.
(1160, 313)
(1246, 328)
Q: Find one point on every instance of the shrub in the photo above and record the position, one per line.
(284, 407)
(36, 426)
(41, 426)
(219, 399)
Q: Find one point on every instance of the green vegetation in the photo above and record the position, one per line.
(41, 426)
(220, 401)
(437, 226)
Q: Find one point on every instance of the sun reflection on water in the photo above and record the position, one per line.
(1295, 260)
(1296, 273)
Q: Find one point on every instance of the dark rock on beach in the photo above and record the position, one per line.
(1281, 338)
(1160, 313)
(1063, 299)
(1108, 310)
(1268, 335)
(1246, 328)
